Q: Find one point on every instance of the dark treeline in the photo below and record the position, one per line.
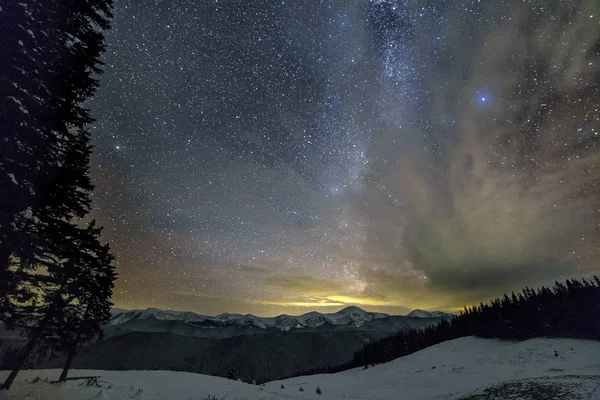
(570, 309)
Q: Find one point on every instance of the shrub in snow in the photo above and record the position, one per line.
(301, 389)
(94, 381)
(283, 387)
(232, 374)
(318, 390)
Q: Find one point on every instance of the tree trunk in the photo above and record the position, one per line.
(22, 359)
(73, 350)
(25, 353)
(4, 264)
(65, 371)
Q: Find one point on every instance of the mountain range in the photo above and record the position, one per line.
(351, 317)
(262, 348)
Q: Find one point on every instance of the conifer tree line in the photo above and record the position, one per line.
(56, 275)
(570, 309)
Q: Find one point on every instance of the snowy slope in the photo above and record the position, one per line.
(462, 368)
(459, 367)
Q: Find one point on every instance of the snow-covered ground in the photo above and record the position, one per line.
(469, 368)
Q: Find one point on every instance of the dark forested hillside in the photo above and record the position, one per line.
(570, 309)
(263, 357)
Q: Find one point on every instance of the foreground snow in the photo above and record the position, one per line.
(468, 367)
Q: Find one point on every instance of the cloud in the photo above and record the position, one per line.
(508, 193)
(306, 285)
(314, 292)
(282, 303)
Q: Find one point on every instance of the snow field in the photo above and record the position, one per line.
(449, 370)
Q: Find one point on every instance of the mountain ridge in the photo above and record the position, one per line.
(351, 315)
(418, 313)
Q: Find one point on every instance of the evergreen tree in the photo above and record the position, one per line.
(85, 304)
(53, 50)
(26, 111)
(49, 49)
(22, 112)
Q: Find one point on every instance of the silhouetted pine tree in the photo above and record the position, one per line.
(26, 109)
(85, 304)
(52, 50)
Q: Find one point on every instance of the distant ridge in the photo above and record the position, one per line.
(428, 314)
(351, 315)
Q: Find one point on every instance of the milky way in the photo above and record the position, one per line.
(282, 156)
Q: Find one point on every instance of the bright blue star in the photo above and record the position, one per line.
(483, 99)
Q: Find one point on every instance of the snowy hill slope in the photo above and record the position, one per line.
(467, 368)
(459, 367)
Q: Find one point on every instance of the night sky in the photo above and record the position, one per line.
(273, 157)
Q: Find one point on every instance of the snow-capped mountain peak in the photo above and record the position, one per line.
(348, 316)
(427, 314)
(352, 310)
(119, 316)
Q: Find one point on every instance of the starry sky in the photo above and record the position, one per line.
(285, 156)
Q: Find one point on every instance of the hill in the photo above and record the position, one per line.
(262, 357)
